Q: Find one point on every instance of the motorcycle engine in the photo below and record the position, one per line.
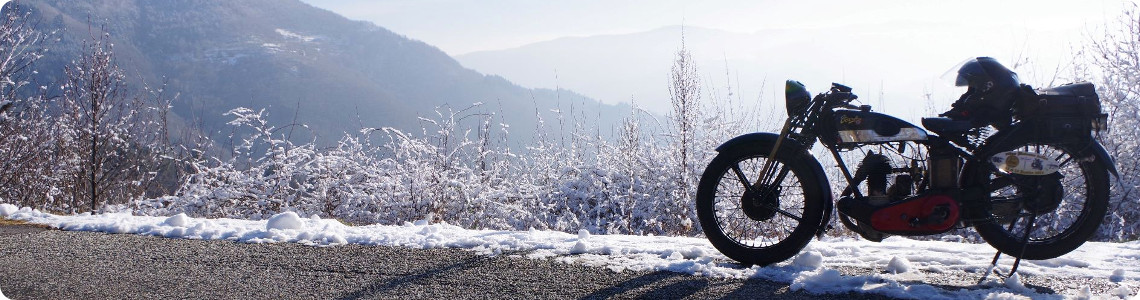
(918, 215)
(875, 169)
(896, 209)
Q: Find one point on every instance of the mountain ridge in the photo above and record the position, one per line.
(287, 56)
(615, 68)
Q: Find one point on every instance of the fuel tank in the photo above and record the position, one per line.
(854, 126)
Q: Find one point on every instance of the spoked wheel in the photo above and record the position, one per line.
(1046, 215)
(759, 222)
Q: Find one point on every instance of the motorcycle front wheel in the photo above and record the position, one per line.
(759, 223)
(1045, 216)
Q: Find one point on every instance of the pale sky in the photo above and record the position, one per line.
(463, 26)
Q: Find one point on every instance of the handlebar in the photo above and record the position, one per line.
(841, 96)
(835, 87)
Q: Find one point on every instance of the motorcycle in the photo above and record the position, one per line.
(1021, 166)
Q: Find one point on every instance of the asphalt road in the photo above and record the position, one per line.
(50, 264)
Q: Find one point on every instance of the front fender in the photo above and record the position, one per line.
(756, 139)
(765, 141)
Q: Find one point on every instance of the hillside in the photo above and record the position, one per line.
(332, 73)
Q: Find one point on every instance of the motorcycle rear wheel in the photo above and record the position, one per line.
(1060, 223)
(759, 223)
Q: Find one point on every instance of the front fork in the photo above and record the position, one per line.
(767, 172)
(770, 178)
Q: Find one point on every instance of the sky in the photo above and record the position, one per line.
(464, 26)
(900, 48)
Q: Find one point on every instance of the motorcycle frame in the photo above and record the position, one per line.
(805, 129)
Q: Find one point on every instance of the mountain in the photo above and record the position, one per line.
(295, 60)
(891, 65)
(612, 68)
(621, 67)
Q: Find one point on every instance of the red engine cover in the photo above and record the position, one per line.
(914, 215)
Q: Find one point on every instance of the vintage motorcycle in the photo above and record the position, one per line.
(1021, 166)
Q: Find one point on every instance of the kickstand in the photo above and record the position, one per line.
(1017, 259)
(993, 268)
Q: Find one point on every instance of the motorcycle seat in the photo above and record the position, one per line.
(946, 126)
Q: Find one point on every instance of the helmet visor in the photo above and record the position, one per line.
(966, 72)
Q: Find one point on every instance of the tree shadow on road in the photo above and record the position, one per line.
(670, 285)
(678, 288)
(381, 287)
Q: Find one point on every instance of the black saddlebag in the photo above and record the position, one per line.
(1063, 114)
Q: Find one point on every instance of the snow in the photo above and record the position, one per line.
(1117, 275)
(809, 260)
(815, 270)
(178, 220)
(1014, 282)
(1123, 292)
(293, 35)
(7, 209)
(285, 221)
(898, 265)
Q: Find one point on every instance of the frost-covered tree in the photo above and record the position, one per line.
(26, 171)
(685, 97)
(106, 148)
(1116, 56)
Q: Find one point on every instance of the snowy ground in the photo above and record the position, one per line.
(906, 262)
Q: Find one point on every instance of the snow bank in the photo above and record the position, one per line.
(813, 271)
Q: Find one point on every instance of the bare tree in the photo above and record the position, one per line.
(102, 129)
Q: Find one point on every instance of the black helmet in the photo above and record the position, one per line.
(992, 91)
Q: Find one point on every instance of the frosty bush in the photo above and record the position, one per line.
(459, 169)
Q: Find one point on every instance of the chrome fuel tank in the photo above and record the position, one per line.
(853, 126)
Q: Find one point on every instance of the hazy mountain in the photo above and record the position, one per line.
(615, 68)
(333, 73)
(870, 58)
